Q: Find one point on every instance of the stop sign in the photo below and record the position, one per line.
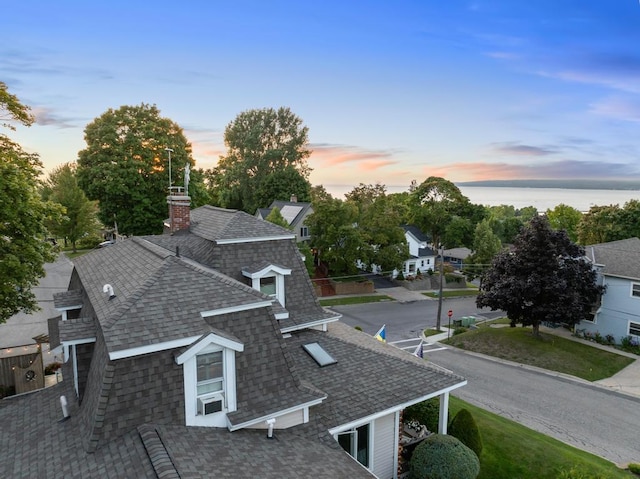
(450, 313)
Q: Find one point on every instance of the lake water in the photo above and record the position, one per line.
(541, 198)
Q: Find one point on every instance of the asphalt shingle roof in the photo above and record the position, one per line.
(67, 299)
(79, 328)
(620, 258)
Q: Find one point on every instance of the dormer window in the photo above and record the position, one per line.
(268, 279)
(209, 368)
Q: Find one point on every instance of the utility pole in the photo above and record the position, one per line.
(440, 288)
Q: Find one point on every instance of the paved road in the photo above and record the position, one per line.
(407, 320)
(578, 413)
(591, 418)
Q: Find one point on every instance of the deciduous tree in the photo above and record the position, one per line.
(261, 143)
(543, 278)
(486, 245)
(23, 246)
(276, 218)
(600, 224)
(125, 166)
(564, 217)
(80, 214)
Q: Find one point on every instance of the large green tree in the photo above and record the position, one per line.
(125, 166)
(564, 217)
(434, 203)
(80, 214)
(23, 245)
(379, 222)
(335, 236)
(600, 224)
(266, 158)
(545, 277)
(486, 244)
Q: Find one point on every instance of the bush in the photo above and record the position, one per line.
(52, 368)
(443, 457)
(400, 276)
(425, 412)
(634, 467)
(464, 427)
(359, 328)
(460, 330)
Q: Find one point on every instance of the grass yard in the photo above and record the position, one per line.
(70, 254)
(512, 451)
(548, 352)
(355, 300)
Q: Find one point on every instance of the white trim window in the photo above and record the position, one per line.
(357, 442)
(635, 290)
(209, 380)
(270, 281)
(634, 329)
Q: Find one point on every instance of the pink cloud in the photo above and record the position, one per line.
(332, 155)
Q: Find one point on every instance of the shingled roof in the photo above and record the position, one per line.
(618, 258)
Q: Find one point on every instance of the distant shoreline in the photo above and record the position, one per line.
(562, 184)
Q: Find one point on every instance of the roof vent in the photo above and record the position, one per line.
(107, 288)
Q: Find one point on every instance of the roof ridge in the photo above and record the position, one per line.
(158, 455)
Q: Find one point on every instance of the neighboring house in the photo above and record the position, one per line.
(422, 258)
(456, 256)
(618, 267)
(294, 212)
(205, 353)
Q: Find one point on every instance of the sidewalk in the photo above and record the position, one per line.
(626, 381)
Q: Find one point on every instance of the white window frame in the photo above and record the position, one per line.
(188, 359)
(354, 433)
(635, 290)
(635, 326)
(277, 272)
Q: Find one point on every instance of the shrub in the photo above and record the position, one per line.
(464, 427)
(425, 412)
(634, 467)
(443, 457)
(359, 328)
(460, 330)
(52, 368)
(400, 276)
(609, 339)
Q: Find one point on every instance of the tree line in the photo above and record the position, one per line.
(122, 176)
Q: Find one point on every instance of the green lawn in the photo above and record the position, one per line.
(70, 254)
(354, 300)
(548, 352)
(512, 451)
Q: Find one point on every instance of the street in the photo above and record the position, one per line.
(578, 413)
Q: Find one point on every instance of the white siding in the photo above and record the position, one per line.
(283, 422)
(384, 433)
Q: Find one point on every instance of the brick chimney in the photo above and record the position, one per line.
(179, 210)
(293, 199)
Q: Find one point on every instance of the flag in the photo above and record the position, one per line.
(381, 335)
(419, 351)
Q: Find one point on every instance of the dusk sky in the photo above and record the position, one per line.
(391, 91)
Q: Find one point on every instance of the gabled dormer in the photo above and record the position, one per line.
(268, 278)
(209, 371)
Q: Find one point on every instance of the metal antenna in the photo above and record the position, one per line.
(169, 150)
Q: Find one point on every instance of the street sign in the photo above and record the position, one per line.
(450, 313)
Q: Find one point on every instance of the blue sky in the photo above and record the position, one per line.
(390, 91)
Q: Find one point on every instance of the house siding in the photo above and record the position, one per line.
(617, 309)
(384, 432)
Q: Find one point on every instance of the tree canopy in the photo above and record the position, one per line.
(125, 166)
(544, 278)
(433, 205)
(265, 161)
(23, 245)
(564, 217)
(79, 218)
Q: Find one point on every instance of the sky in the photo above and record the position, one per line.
(391, 91)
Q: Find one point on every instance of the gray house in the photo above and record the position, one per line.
(618, 266)
(294, 212)
(205, 353)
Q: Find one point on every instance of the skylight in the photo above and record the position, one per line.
(320, 356)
